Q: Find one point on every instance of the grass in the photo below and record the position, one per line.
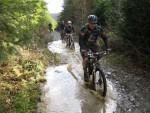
(20, 78)
(116, 59)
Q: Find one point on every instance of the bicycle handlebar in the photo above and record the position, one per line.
(91, 54)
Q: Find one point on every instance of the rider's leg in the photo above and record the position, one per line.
(85, 64)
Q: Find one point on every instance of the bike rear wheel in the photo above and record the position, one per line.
(99, 82)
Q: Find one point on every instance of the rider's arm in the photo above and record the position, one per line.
(65, 29)
(82, 38)
(105, 39)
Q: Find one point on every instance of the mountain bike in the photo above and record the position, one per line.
(95, 73)
(70, 41)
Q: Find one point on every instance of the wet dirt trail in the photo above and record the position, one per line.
(65, 91)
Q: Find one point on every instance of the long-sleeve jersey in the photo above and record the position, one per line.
(87, 36)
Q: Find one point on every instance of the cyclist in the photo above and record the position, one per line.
(88, 37)
(50, 27)
(69, 27)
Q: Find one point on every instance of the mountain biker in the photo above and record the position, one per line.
(50, 27)
(88, 36)
(69, 27)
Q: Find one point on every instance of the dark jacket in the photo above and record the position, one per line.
(88, 36)
(69, 29)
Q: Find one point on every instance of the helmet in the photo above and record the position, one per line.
(69, 22)
(92, 18)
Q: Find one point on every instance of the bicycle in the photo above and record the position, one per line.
(95, 72)
(70, 41)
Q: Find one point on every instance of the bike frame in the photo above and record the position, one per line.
(93, 67)
(69, 39)
(93, 61)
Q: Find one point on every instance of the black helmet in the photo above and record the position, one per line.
(92, 18)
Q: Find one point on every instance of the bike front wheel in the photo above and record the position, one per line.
(99, 82)
(67, 41)
(72, 46)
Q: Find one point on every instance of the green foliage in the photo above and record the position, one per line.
(20, 80)
(76, 11)
(109, 13)
(6, 49)
(23, 26)
(20, 20)
(136, 25)
(70, 8)
(24, 101)
(130, 21)
(100, 11)
(19, 85)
